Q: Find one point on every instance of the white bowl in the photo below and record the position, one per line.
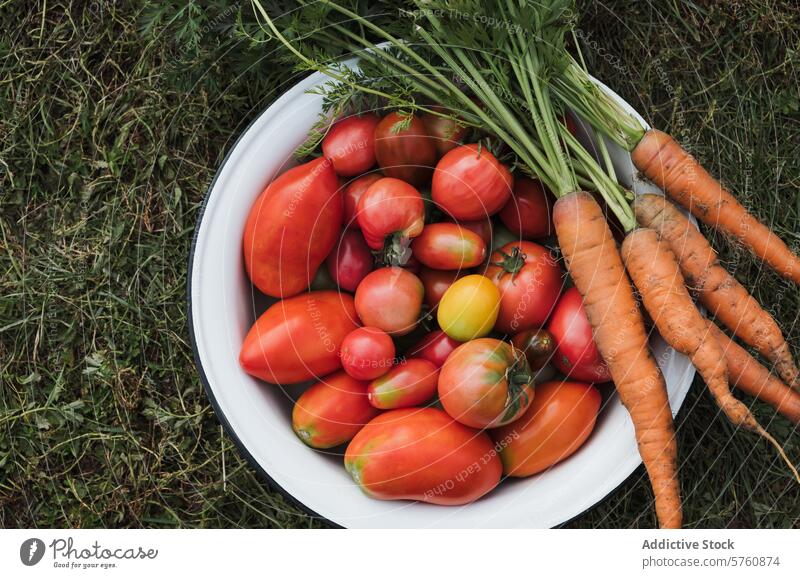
(258, 416)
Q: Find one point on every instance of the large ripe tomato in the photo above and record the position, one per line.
(486, 383)
(350, 144)
(292, 227)
(332, 411)
(299, 338)
(469, 308)
(410, 383)
(576, 353)
(445, 132)
(528, 214)
(556, 424)
(391, 212)
(436, 347)
(469, 183)
(436, 283)
(367, 353)
(422, 454)
(529, 280)
(406, 153)
(537, 345)
(350, 261)
(448, 246)
(390, 298)
(352, 194)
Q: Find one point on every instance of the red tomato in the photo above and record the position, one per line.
(390, 298)
(445, 132)
(448, 246)
(537, 345)
(528, 212)
(422, 454)
(470, 184)
(576, 353)
(436, 282)
(436, 347)
(299, 338)
(408, 154)
(412, 265)
(332, 411)
(350, 144)
(485, 383)
(292, 227)
(390, 208)
(556, 424)
(367, 353)
(352, 194)
(483, 228)
(529, 280)
(410, 383)
(350, 261)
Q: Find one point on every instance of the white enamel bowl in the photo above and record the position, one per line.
(223, 306)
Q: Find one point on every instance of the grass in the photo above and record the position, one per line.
(113, 119)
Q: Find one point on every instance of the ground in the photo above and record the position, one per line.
(113, 120)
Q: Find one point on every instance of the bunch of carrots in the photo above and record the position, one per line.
(517, 83)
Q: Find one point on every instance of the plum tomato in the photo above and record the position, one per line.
(350, 261)
(390, 299)
(469, 308)
(482, 227)
(528, 212)
(350, 144)
(436, 347)
(367, 353)
(412, 382)
(352, 193)
(448, 246)
(404, 149)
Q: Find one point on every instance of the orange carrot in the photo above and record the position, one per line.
(748, 375)
(723, 295)
(596, 268)
(684, 179)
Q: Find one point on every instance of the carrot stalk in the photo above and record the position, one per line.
(724, 296)
(596, 268)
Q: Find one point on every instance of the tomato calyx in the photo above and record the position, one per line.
(518, 376)
(511, 262)
(396, 250)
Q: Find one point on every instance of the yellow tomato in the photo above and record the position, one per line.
(469, 308)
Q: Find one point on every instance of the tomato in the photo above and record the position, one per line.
(435, 347)
(367, 353)
(483, 228)
(350, 144)
(469, 183)
(486, 383)
(390, 298)
(332, 411)
(408, 154)
(352, 194)
(448, 246)
(412, 265)
(537, 345)
(422, 454)
(410, 383)
(529, 280)
(576, 353)
(528, 213)
(292, 227)
(298, 338)
(469, 308)
(445, 132)
(350, 261)
(436, 282)
(390, 208)
(556, 424)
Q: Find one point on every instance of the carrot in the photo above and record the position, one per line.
(596, 268)
(654, 270)
(723, 295)
(748, 375)
(684, 179)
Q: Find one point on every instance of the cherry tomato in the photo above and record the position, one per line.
(445, 132)
(390, 208)
(332, 411)
(422, 454)
(350, 261)
(390, 298)
(529, 280)
(436, 282)
(448, 246)
(470, 184)
(482, 227)
(406, 153)
(537, 345)
(556, 424)
(435, 347)
(292, 227)
(469, 308)
(410, 383)
(350, 144)
(352, 194)
(367, 353)
(528, 213)
(298, 338)
(576, 354)
(486, 383)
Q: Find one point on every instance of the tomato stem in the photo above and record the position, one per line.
(518, 377)
(513, 262)
(395, 252)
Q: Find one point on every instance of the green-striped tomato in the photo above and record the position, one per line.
(410, 383)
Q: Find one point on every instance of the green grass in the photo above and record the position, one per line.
(113, 120)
